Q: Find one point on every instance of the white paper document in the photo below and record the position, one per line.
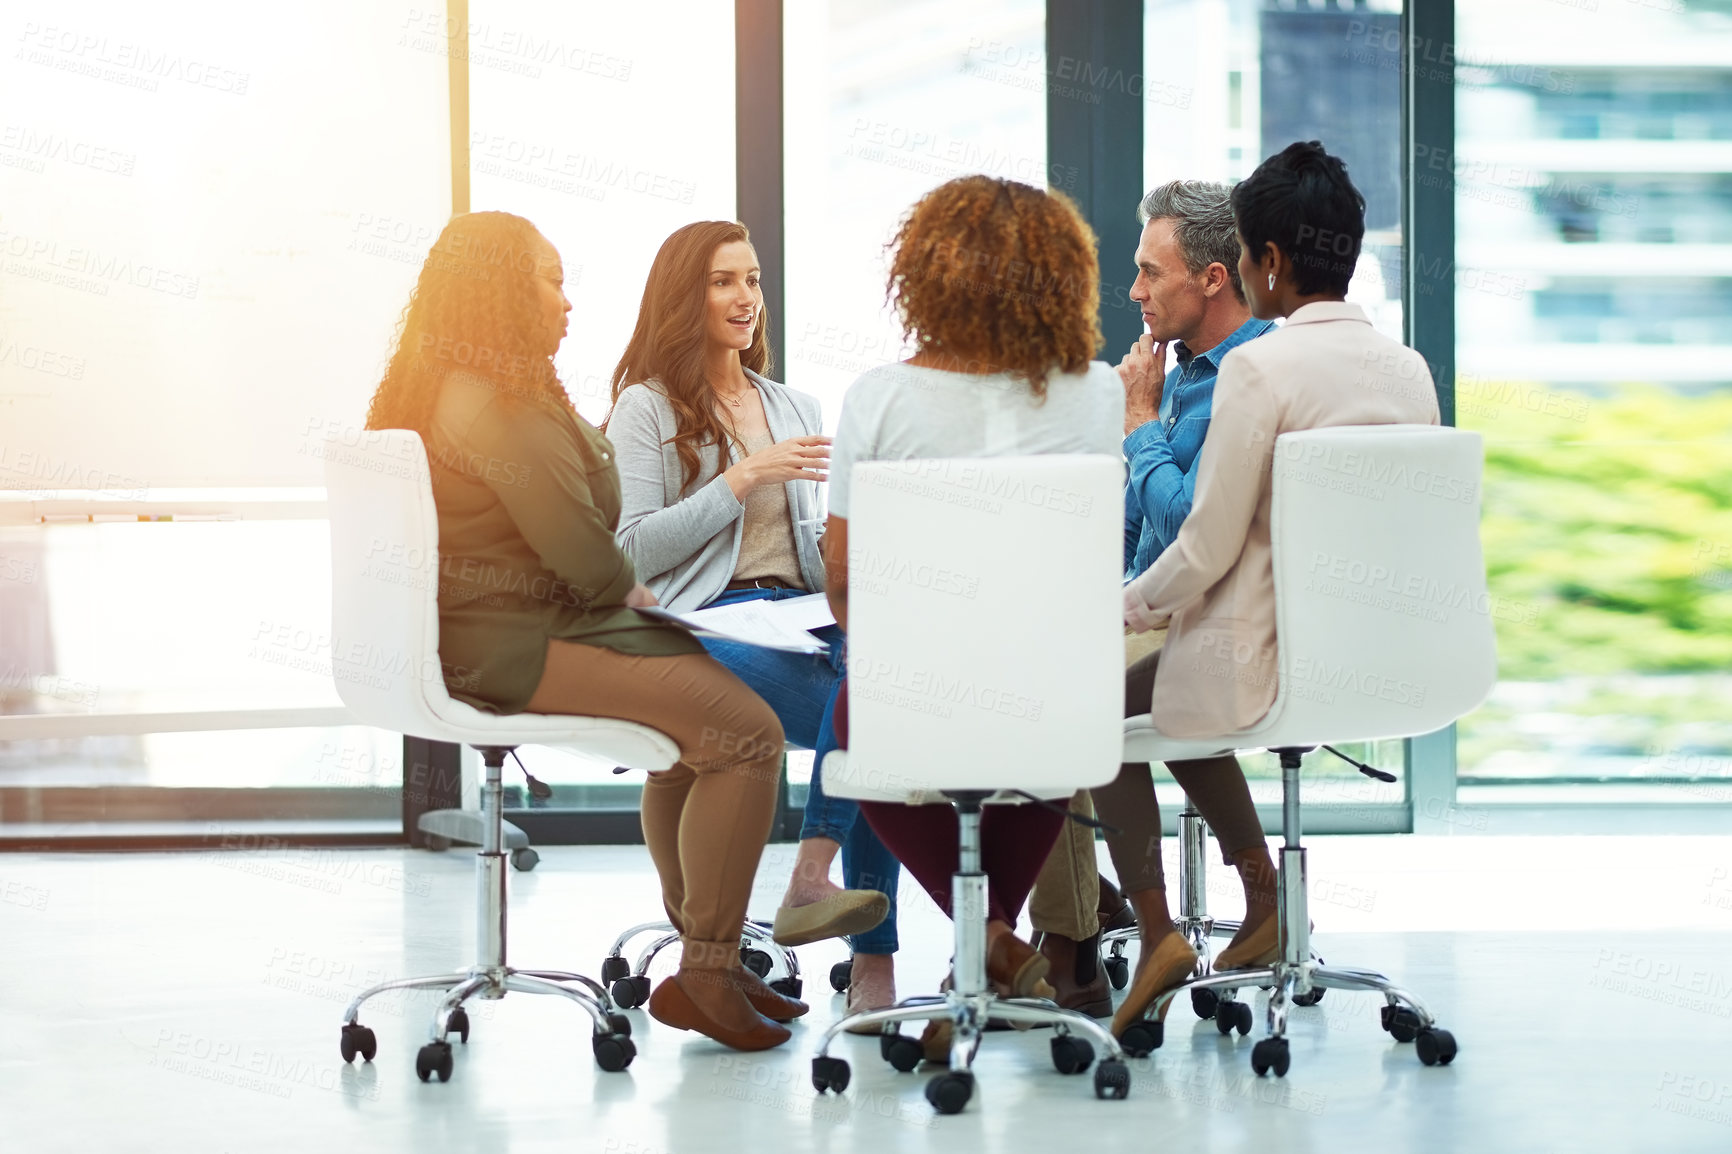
(769, 624)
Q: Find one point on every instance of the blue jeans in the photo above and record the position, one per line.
(801, 688)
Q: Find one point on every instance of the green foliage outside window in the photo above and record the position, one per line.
(1607, 525)
(1608, 534)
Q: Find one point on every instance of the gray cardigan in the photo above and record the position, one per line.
(686, 549)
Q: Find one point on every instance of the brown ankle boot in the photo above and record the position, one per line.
(1076, 974)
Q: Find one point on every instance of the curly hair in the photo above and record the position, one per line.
(667, 343)
(474, 307)
(1000, 276)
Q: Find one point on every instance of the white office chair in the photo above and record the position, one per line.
(986, 654)
(1384, 630)
(385, 659)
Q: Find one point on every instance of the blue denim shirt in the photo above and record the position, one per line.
(1162, 455)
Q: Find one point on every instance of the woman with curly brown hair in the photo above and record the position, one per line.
(719, 470)
(997, 285)
(540, 606)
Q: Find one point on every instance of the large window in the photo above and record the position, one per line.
(1228, 82)
(609, 126)
(1594, 306)
(885, 102)
(209, 231)
(210, 226)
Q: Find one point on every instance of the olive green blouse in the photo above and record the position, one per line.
(528, 500)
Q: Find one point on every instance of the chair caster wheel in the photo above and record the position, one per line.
(902, 1052)
(434, 1058)
(438, 844)
(1270, 1057)
(1205, 1002)
(613, 968)
(1401, 1022)
(619, 1024)
(613, 1052)
(829, 1074)
(1435, 1047)
(949, 1093)
(756, 961)
(629, 991)
(358, 1039)
(1316, 994)
(1112, 1079)
(1072, 1055)
(524, 859)
(841, 976)
(458, 1023)
(1230, 1016)
(1118, 971)
(1141, 1039)
(788, 987)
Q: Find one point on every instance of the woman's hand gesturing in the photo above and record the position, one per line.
(796, 459)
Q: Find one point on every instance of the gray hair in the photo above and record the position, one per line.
(1203, 228)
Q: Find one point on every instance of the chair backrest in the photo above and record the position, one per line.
(985, 630)
(1384, 621)
(385, 580)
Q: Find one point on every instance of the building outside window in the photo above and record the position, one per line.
(1593, 174)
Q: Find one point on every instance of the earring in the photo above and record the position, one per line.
(1271, 282)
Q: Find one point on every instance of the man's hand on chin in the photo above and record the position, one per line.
(1143, 372)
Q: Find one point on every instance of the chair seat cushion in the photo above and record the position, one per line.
(1143, 742)
(844, 778)
(607, 738)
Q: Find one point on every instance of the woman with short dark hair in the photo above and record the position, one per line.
(1300, 223)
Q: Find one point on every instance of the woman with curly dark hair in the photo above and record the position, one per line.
(539, 605)
(997, 285)
(719, 470)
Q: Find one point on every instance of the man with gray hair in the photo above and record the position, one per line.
(1187, 286)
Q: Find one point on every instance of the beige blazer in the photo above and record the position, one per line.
(1325, 366)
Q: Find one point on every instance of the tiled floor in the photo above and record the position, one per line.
(189, 1002)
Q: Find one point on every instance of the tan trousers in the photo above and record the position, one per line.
(1067, 894)
(707, 818)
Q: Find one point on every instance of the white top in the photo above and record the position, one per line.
(901, 412)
